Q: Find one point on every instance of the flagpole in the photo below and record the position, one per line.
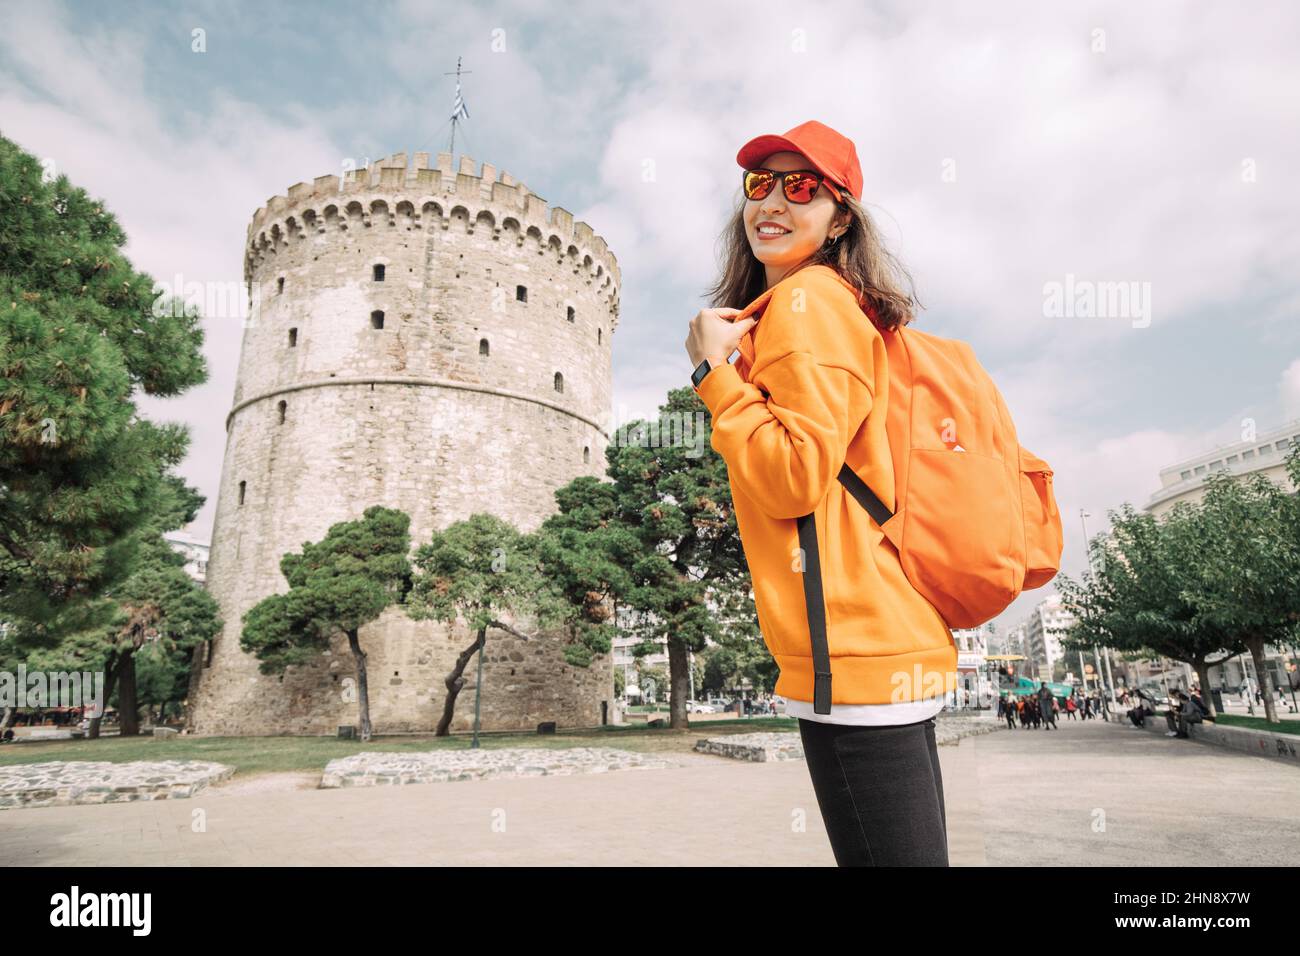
(459, 108)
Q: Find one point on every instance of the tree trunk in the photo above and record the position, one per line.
(128, 714)
(455, 682)
(1265, 677)
(363, 693)
(679, 683)
(192, 692)
(110, 681)
(1203, 675)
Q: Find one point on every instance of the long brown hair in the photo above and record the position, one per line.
(886, 291)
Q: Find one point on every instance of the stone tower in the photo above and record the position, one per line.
(427, 339)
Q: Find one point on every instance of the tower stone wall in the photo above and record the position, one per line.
(429, 340)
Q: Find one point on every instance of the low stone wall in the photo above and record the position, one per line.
(1261, 743)
(59, 783)
(767, 746)
(759, 747)
(379, 768)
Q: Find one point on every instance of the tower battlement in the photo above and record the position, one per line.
(392, 192)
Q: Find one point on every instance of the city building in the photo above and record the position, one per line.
(1266, 452)
(975, 686)
(1043, 630)
(631, 665)
(195, 552)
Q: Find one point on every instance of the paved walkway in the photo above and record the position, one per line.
(1019, 796)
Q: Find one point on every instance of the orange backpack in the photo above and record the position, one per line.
(975, 521)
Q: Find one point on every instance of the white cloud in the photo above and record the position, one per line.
(1120, 165)
(183, 194)
(1290, 389)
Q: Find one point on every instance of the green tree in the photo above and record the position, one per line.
(1136, 601)
(336, 586)
(482, 570)
(586, 555)
(1202, 584)
(157, 611)
(690, 584)
(1243, 581)
(79, 468)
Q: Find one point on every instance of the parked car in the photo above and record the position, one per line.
(699, 707)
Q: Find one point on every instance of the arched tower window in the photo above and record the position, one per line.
(599, 335)
(559, 382)
(242, 486)
(586, 454)
(279, 285)
(377, 319)
(379, 272)
(293, 338)
(572, 313)
(282, 407)
(521, 293)
(482, 346)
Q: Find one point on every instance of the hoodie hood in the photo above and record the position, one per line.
(755, 310)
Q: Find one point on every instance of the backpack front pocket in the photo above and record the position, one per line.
(958, 534)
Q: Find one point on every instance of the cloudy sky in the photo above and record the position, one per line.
(1005, 146)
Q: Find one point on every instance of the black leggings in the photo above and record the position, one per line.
(879, 791)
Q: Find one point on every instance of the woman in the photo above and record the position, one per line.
(809, 394)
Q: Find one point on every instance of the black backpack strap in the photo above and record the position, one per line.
(866, 497)
(812, 584)
(812, 592)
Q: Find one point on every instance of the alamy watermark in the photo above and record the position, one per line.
(53, 689)
(669, 429)
(1087, 299)
(210, 299)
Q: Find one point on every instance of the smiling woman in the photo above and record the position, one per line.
(800, 404)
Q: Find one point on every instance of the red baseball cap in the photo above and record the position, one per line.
(833, 154)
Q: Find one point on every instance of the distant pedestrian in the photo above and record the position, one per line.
(1045, 702)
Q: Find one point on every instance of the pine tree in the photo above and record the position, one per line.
(479, 571)
(156, 615)
(690, 582)
(336, 586)
(81, 331)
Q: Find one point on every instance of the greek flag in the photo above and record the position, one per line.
(459, 108)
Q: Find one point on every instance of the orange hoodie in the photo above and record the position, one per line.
(810, 392)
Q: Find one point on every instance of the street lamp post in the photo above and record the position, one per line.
(1101, 678)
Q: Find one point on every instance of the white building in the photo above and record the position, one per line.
(623, 643)
(195, 551)
(1266, 452)
(1042, 634)
(974, 688)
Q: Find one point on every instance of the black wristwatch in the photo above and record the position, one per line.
(701, 370)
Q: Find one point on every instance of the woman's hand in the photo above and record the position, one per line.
(714, 336)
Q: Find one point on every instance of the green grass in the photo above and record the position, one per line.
(1259, 723)
(250, 755)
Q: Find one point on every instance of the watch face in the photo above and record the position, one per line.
(701, 370)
